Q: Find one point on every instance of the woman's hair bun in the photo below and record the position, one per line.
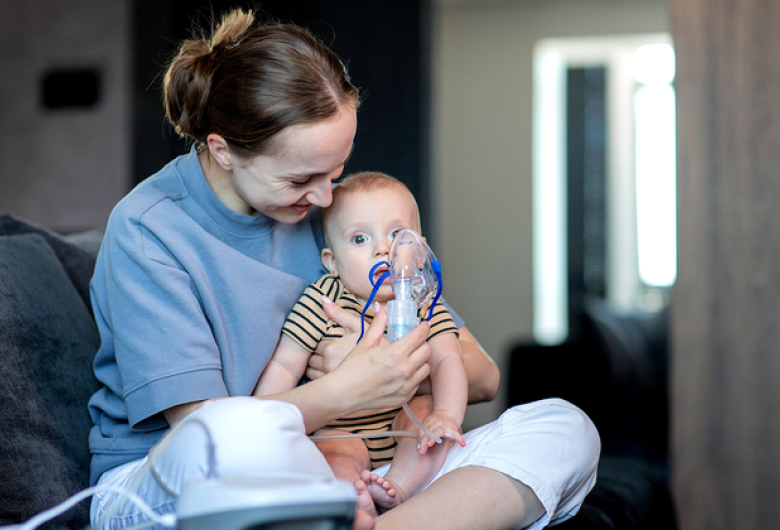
(188, 79)
(248, 82)
(233, 25)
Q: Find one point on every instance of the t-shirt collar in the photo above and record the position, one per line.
(199, 189)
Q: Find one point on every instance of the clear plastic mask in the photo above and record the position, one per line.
(412, 273)
(415, 274)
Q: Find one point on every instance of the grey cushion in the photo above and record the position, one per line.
(47, 343)
(77, 252)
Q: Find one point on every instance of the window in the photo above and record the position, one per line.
(635, 247)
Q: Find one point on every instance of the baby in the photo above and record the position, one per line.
(367, 212)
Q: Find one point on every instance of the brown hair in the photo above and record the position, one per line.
(248, 83)
(364, 182)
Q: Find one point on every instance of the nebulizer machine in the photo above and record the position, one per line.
(293, 501)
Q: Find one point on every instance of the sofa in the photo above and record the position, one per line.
(48, 339)
(47, 342)
(614, 367)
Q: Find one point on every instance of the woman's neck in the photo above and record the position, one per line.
(221, 183)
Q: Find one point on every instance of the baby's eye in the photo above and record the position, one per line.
(359, 239)
(394, 233)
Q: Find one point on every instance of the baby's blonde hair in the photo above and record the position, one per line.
(364, 182)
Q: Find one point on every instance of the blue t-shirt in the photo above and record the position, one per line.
(190, 299)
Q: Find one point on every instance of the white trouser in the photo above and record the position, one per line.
(550, 445)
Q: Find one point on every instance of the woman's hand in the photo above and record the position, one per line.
(389, 373)
(373, 375)
(330, 353)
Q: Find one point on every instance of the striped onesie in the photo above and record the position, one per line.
(308, 325)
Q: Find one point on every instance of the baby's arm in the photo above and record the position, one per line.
(449, 387)
(285, 369)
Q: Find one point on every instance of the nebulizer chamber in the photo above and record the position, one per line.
(414, 280)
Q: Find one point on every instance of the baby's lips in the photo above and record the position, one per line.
(379, 272)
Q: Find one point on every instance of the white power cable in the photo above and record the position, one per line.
(168, 520)
(126, 494)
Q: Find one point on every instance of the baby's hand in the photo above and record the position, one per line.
(442, 425)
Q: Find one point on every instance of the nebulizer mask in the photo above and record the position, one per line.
(415, 277)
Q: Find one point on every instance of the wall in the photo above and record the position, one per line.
(482, 151)
(63, 168)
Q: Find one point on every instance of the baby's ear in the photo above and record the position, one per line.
(329, 261)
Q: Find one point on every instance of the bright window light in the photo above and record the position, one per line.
(653, 64)
(551, 319)
(654, 113)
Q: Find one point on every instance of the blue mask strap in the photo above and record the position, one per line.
(436, 266)
(376, 285)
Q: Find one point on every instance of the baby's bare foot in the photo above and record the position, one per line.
(364, 500)
(363, 520)
(385, 494)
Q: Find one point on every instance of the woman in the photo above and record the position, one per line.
(198, 269)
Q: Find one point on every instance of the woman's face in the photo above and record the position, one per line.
(285, 185)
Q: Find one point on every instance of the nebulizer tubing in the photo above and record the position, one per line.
(402, 315)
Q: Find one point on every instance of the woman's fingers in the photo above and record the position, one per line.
(373, 335)
(315, 369)
(330, 353)
(416, 341)
(340, 316)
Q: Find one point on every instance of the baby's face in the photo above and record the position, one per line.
(360, 233)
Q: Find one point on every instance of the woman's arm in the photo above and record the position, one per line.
(482, 372)
(373, 375)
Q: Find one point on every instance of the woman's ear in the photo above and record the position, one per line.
(329, 260)
(220, 151)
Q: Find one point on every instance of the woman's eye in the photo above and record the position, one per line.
(300, 184)
(359, 240)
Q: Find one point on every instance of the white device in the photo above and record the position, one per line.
(281, 501)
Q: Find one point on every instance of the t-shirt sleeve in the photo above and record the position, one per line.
(456, 318)
(441, 321)
(307, 321)
(164, 347)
